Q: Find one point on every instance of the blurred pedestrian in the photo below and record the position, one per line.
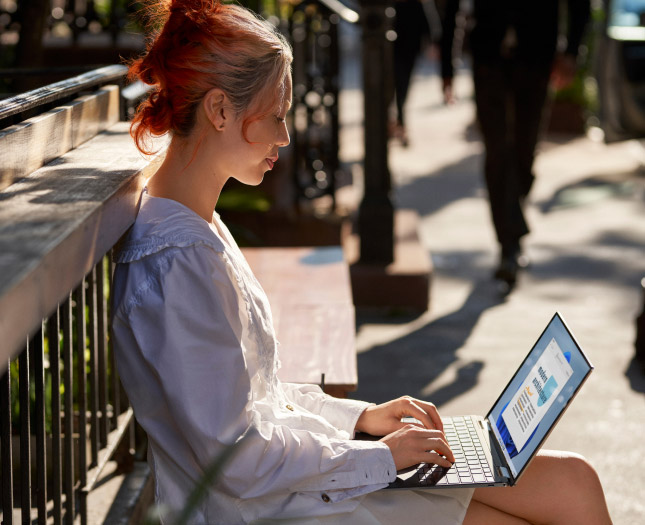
(515, 52)
(417, 26)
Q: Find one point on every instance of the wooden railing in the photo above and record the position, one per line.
(61, 404)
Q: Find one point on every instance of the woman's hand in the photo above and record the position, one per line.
(412, 444)
(380, 420)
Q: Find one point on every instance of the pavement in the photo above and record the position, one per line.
(587, 249)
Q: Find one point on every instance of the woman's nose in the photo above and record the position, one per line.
(283, 136)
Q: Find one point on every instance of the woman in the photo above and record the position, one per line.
(193, 333)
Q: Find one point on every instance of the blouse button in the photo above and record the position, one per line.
(325, 498)
(289, 407)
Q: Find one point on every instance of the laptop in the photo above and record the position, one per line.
(495, 450)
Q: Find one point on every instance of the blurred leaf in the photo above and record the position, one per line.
(158, 513)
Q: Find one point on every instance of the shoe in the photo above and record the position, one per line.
(507, 270)
(402, 135)
(398, 132)
(511, 262)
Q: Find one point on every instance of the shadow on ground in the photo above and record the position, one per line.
(410, 364)
(429, 194)
(623, 185)
(635, 373)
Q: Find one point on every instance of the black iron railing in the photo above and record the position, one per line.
(68, 391)
(312, 28)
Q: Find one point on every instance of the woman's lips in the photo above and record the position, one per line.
(271, 162)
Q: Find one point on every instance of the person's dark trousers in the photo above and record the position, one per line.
(411, 27)
(510, 98)
(404, 60)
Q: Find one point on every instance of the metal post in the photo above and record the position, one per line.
(376, 213)
(6, 480)
(25, 436)
(37, 349)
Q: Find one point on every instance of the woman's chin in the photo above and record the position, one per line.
(252, 180)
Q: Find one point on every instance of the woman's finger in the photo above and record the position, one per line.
(413, 444)
(432, 412)
(425, 440)
(425, 412)
(437, 459)
(434, 440)
(441, 446)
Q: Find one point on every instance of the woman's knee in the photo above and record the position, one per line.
(573, 473)
(573, 465)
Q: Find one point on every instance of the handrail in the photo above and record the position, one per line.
(60, 229)
(53, 92)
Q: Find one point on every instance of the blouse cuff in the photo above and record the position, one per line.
(343, 413)
(378, 475)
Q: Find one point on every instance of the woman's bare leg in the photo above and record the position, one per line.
(557, 488)
(480, 514)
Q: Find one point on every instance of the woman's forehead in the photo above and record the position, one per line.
(287, 91)
(284, 94)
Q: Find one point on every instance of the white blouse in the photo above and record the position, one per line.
(198, 357)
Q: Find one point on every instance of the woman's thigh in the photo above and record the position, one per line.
(557, 487)
(397, 507)
(480, 514)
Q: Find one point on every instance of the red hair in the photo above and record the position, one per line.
(201, 45)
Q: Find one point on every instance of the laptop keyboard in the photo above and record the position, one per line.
(470, 465)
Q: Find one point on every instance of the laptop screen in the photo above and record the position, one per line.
(538, 393)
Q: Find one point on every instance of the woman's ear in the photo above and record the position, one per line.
(216, 108)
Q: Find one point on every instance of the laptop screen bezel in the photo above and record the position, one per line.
(513, 478)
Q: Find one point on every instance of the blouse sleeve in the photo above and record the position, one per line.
(341, 413)
(188, 327)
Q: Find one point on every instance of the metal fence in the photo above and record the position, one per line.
(312, 28)
(62, 399)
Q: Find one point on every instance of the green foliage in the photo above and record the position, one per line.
(583, 91)
(244, 199)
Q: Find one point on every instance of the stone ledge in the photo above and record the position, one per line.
(405, 283)
(134, 497)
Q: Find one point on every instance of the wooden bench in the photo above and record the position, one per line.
(70, 181)
(311, 301)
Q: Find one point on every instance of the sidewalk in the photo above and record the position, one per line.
(587, 247)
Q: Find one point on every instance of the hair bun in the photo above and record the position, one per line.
(197, 11)
(198, 45)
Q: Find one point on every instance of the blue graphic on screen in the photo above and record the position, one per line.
(537, 394)
(549, 387)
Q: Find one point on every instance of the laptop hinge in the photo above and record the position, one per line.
(501, 470)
